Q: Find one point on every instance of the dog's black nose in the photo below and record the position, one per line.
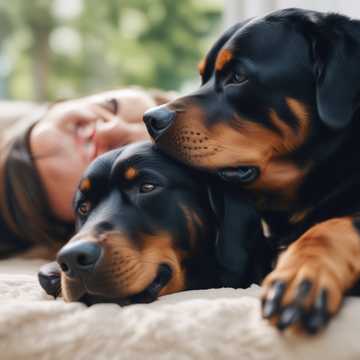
(158, 120)
(49, 277)
(79, 257)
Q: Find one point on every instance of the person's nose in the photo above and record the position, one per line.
(158, 120)
(78, 258)
(110, 134)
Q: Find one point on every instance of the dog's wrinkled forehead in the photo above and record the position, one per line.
(101, 166)
(107, 165)
(263, 47)
(145, 157)
(132, 162)
(140, 150)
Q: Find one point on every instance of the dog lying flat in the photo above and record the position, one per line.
(145, 228)
(277, 115)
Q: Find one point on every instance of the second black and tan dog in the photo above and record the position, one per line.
(277, 115)
(148, 226)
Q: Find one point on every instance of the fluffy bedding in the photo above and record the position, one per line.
(209, 324)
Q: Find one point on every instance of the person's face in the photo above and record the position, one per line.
(74, 132)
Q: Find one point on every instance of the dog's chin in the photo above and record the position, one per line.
(148, 295)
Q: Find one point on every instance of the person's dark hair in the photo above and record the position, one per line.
(26, 218)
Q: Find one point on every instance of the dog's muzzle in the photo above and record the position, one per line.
(158, 120)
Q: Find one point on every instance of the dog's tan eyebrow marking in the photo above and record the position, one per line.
(85, 185)
(131, 173)
(224, 56)
(201, 67)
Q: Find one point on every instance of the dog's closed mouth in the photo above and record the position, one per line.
(241, 174)
(148, 295)
(152, 291)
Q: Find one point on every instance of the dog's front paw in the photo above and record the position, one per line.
(307, 286)
(301, 292)
(49, 277)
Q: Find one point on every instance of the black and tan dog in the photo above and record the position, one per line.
(146, 227)
(277, 115)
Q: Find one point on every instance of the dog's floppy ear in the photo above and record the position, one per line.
(336, 53)
(239, 237)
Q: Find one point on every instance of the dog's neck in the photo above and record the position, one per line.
(330, 189)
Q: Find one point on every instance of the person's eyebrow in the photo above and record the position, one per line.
(111, 104)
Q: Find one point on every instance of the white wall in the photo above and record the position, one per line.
(236, 10)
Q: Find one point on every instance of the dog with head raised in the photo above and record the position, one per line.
(277, 116)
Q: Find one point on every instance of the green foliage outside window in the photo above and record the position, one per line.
(61, 48)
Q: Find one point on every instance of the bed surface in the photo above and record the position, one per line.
(207, 324)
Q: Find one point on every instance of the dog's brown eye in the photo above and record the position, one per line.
(238, 77)
(145, 188)
(84, 208)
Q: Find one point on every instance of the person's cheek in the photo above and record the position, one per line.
(133, 109)
(138, 133)
(68, 182)
(62, 175)
(110, 135)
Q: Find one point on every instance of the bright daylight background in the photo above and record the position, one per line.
(52, 49)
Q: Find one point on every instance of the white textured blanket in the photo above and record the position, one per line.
(211, 324)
